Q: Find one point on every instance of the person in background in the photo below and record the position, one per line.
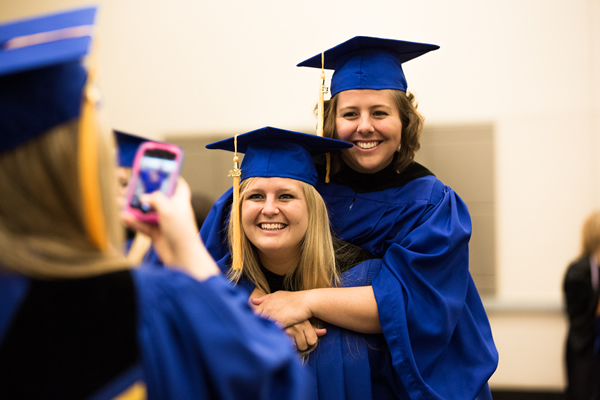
(582, 293)
(379, 199)
(76, 319)
(597, 330)
(137, 245)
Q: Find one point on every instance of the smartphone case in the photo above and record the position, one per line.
(151, 216)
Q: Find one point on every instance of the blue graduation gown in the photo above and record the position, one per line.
(197, 339)
(431, 314)
(347, 365)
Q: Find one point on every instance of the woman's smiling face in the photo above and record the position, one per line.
(275, 215)
(370, 120)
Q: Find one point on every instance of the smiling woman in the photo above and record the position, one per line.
(285, 237)
(369, 119)
(381, 200)
(274, 219)
(287, 248)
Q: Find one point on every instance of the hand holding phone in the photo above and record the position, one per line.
(156, 166)
(175, 238)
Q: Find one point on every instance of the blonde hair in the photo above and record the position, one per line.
(316, 262)
(316, 266)
(590, 235)
(42, 228)
(412, 126)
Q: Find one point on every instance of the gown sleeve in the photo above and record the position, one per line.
(201, 340)
(214, 228)
(430, 312)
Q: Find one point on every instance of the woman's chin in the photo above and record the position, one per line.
(367, 163)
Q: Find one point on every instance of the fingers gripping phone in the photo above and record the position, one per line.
(156, 166)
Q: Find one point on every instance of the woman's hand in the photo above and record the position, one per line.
(285, 308)
(175, 237)
(256, 293)
(353, 308)
(304, 335)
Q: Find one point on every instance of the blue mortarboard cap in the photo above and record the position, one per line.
(41, 75)
(369, 63)
(271, 152)
(127, 146)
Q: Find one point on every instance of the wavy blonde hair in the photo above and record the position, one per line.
(42, 229)
(412, 126)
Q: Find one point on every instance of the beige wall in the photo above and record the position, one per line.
(530, 67)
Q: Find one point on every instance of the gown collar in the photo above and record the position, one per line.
(387, 178)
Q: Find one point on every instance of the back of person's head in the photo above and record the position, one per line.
(57, 211)
(590, 234)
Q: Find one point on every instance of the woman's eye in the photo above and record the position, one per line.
(254, 196)
(380, 113)
(349, 114)
(286, 196)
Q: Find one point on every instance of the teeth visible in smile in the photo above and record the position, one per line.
(366, 145)
(272, 227)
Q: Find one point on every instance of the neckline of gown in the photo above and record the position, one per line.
(387, 178)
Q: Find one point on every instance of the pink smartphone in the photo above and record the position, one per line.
(156, 166)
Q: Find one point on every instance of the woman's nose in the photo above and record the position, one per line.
(270, 207)
(365, 125)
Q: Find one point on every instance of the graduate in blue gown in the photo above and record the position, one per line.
(76, 319)
(280, 225)
(138, 247)
(379, 199)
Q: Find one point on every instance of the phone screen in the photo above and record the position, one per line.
(156, 171)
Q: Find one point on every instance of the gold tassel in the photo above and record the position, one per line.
(321, 105)
(320, 112)
(93, 212)
(235, 211)
(328, 168)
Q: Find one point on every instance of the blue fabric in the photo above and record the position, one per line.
(272, 152)
(41, 84)
(222, 355)
(201, 340)
(214, 229)
(432, 317)
(430, 312)
(127, 146)
(56, 50)
(348, 365)
(13, 289)
(32, 102)
(368, 63)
